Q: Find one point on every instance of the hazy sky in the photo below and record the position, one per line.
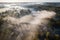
(29, 0)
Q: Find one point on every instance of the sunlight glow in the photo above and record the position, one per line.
(29, 0)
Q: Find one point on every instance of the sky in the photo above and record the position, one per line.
(29, 0)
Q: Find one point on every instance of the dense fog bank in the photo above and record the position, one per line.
(22, 23)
